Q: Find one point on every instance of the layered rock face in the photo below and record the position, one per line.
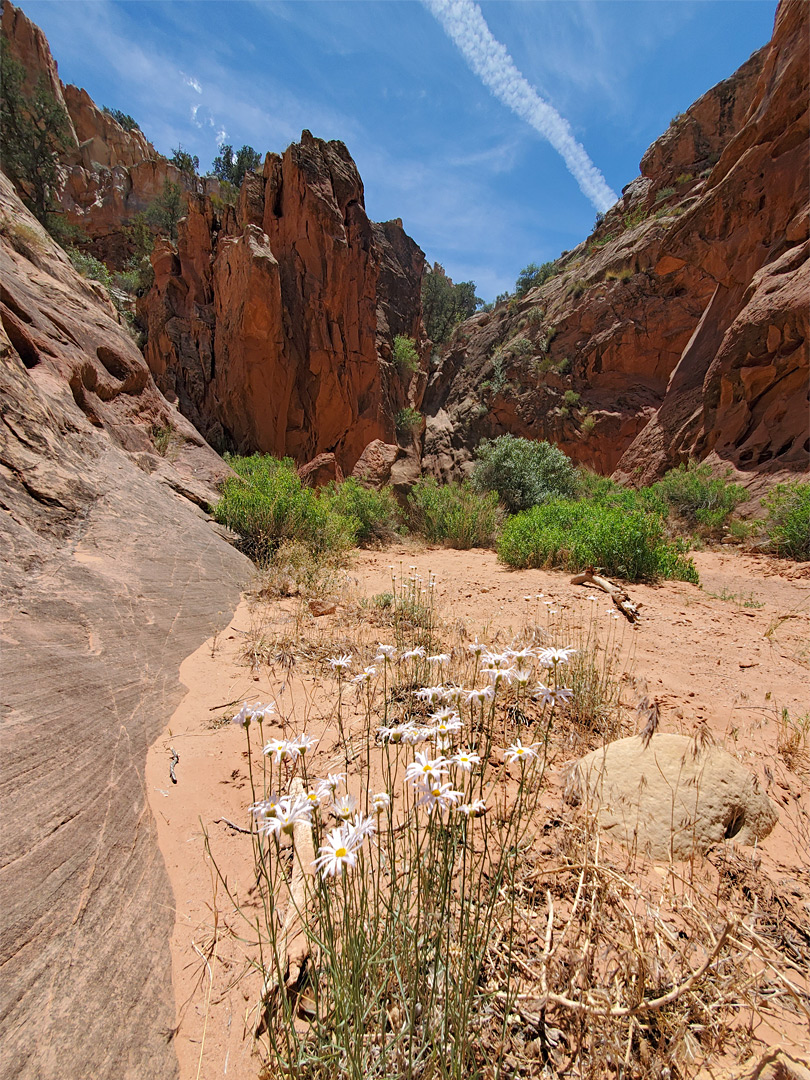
(680, 327)
(273, 324)
(110, 575)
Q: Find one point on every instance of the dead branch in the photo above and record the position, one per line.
(617, 594)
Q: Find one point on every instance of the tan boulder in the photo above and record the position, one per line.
(374, 465)
(323, 469)
(672, 797)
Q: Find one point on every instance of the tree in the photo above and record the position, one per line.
(122, 118)
(523, 472)
(185, 162)
(232, 167)
(445, 304)
(531, 276)
(34, 130)
(167, 209)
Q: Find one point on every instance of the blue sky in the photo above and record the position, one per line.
(476, 186)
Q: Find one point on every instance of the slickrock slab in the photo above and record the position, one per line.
(109, 578)
(672, 797)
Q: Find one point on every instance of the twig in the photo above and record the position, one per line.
(172, 763)
(230, 824)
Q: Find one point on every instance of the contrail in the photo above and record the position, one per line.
(465, 25)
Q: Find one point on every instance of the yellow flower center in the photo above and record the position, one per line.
(341, 853)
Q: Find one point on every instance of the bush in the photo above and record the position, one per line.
(408, 420)
(123, 119)
(266, 503)
(572, 535)
(406, 358)
(453, 514)
(532, 276)
(702, 501)
(523, 473)
(571, 397)
(374, 514)
(788, 521)
(90, 267)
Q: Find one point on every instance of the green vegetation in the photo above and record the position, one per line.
(532, 276)
(520, 346)
(123, 119)
(33, 132)
(445, 304)
(702, 501)
(455, 515)
(634, 219)
(408, 420)
(522, 472)
(167, 209)
(266, 503)
(577, 288)
(406, 358)
(788, 521)
(374, 515)
(573, 535)
(664, 193)
(90, 267)
(187, 163)
(571, 398)
(231, 167)
(624, 274)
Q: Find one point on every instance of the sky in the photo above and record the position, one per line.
(494, 130)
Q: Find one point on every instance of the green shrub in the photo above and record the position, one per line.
(520, 346)
(571, 397)
(532, 276)
(122, 118)
(374, 514)
(453, 514)
(266, 503)
(702, 501)
(408, 420)
(90, 267)
(523, 473)
(664, 193)
(788, 521)
(573, 535)
(406, 357)
(624, 274)
(577, 288)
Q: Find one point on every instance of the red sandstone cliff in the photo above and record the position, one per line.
(680, 327)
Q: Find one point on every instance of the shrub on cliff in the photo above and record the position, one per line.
(231, 167)
(572, 535)
(266, 503)
(455, 515)
(34, 130)
(445, 304)
(532, 276)
(523, 473)
(406, 358)
(788, 521)
(167, 209)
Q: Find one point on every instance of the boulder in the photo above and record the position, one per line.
(323, 469)
(672, 797)
(374, 465)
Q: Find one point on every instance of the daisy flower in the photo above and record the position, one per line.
(424, 768)
(543, 693)
(327, 789)
(500, 676)
(439, 658)
(380, 802)
(280, 749)
(341, 663)
(335, 855)
(432, 694)
(522, 677)
(358, 830)
(435, 795)
(289, 810)
(386, 651)
(366, 675)
(563, 694)
(558, 656)
(344, 807)
(453, 694)
(484, 693)
(445, 713)
(265, 808)
(465, 759)
(414, 654)
(473, 809)
(445, 728)
(518, 752)
(303, 743)
(477, 648)
(243, 717)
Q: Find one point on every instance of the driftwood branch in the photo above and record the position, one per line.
(617, 594)
(293, 941)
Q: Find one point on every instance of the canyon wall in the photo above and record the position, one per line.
(680, 326)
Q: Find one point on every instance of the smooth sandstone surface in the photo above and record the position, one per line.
(110, 574)
(674, 797)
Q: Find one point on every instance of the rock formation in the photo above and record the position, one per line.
(670, 797)
(680, 327)
(273, 326)
(110, 575)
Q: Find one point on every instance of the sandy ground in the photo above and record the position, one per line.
(730, 654)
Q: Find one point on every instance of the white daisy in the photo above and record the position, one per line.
(518, 752)
(473, 809)
(424, 768)
(465, 759)
(341, 663)
(543, 693)
(335, 855)
(432, 694)
(344, 807)
(484, 693)
(380, 802)
(435, 795)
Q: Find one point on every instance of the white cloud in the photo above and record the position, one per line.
(192, 82)
(463, 22)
